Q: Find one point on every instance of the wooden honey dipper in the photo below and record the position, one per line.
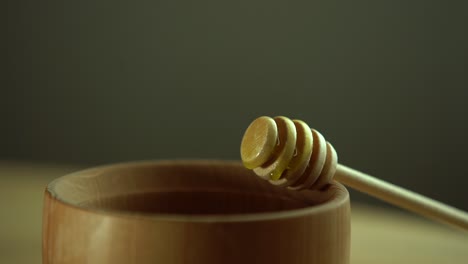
(289, 153)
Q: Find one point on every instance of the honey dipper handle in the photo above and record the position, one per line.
(401, 197)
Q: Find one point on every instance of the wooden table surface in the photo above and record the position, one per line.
(378, 235)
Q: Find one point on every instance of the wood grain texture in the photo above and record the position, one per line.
(374, 230)
(120, 214)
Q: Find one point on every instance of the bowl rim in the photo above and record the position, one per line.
(337, 201)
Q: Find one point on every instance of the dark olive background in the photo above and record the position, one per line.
(92, 82)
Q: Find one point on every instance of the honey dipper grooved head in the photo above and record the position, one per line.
(288, 153)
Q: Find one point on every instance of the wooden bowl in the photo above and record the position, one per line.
(190, 212)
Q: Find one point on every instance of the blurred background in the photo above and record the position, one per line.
(92, 82)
